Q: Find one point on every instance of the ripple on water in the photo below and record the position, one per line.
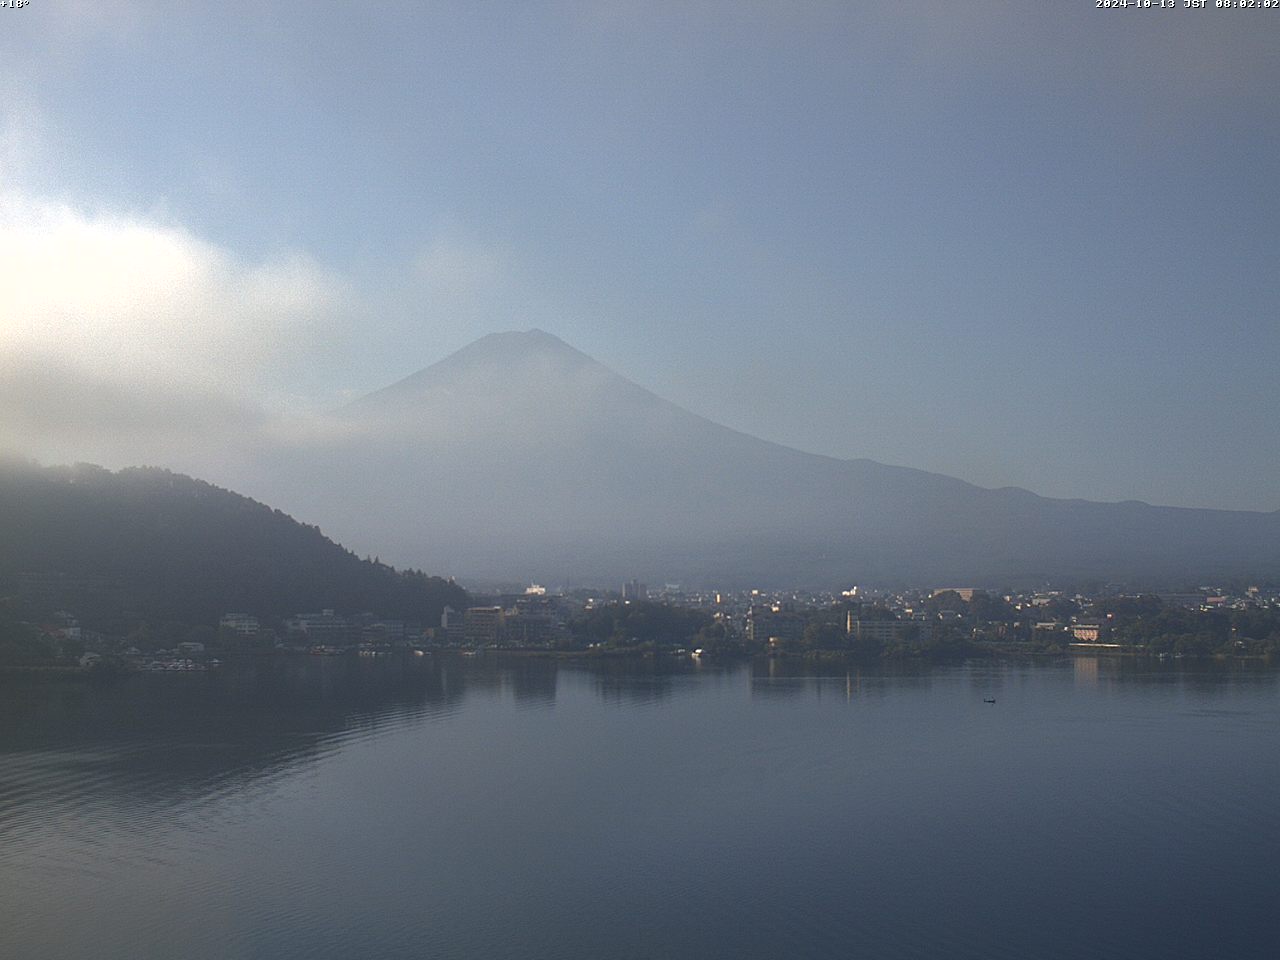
(735, 815)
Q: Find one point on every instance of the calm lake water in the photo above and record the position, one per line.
(468, 808)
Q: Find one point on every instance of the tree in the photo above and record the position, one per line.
(825, 636)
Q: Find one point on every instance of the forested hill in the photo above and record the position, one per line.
(147, 544)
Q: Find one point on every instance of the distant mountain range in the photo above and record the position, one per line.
(521, 457)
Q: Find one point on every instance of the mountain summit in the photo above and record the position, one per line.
(517, 385)
(519, 456)
(533, 353)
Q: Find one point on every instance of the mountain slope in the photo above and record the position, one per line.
(520, 456)
(153, 545)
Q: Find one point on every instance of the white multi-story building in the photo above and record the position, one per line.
(242, 623)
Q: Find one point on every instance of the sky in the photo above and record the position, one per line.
(1021, 244)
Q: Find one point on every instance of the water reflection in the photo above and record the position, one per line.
(173, 741)
(326, 808)
(533, 684)
(1109, 672)
(1085, 671)
(781, 678)
(176, 740)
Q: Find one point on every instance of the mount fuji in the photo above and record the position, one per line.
(520, 457)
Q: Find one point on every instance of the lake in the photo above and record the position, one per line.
(451, 807)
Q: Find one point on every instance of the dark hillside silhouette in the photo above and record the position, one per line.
(154, 545)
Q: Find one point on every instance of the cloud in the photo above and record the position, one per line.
(59, 412)
(128, 338)
(133, 299)
(133, 333)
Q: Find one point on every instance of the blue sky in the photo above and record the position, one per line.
(1021, 244)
